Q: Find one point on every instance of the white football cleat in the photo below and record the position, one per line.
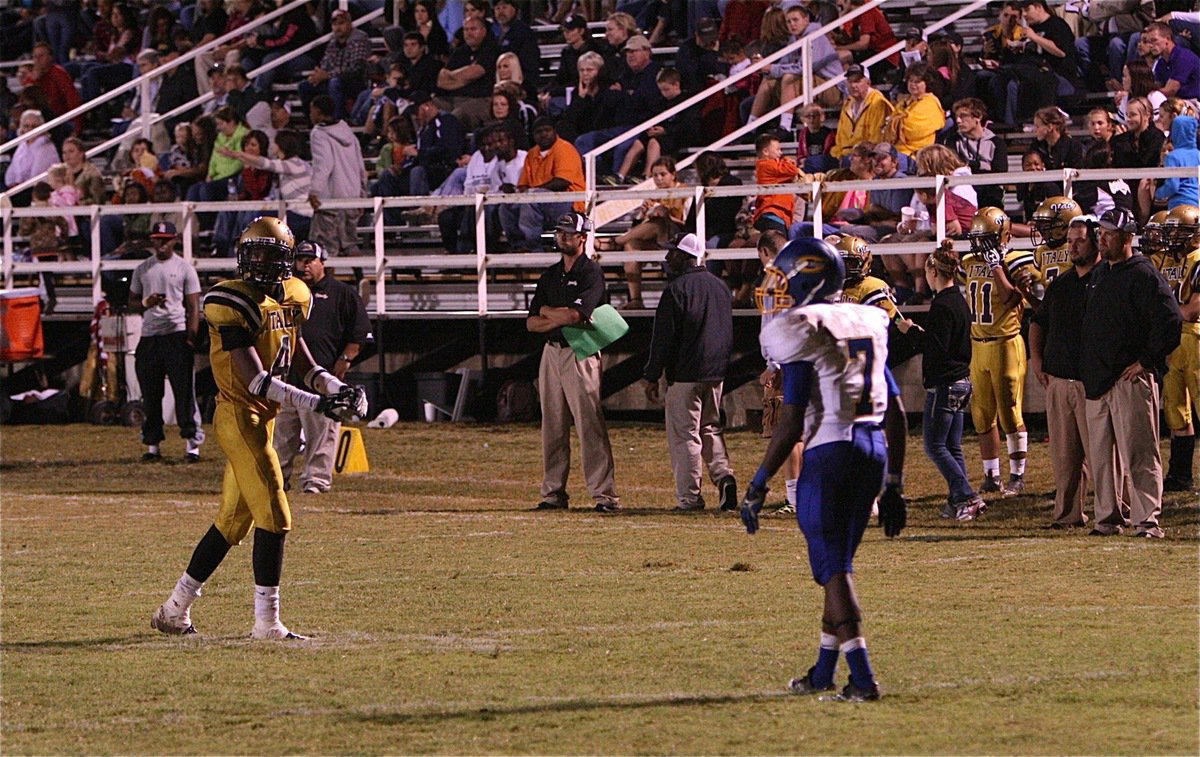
(171, 621)
(276, 630)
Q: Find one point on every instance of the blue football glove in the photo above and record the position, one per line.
(893, 510)
(752, 505)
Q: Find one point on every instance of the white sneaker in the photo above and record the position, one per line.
(170, 621)
(276, 630)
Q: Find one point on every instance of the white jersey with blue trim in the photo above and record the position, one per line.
(847, 347)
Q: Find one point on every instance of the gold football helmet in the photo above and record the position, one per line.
(991, 229)
(1052, 219)
(266, 251)
(1180, 226)
(856, 254)
(1154, 235)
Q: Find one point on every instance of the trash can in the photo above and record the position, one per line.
(436, 393)
(21, 325)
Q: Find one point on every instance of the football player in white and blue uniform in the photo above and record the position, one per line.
(835, 394)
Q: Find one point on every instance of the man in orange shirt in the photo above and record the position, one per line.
(553, 165)
(773, 211)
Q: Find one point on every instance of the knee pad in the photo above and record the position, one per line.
(1018, 442)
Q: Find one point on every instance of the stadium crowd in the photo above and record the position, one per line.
(465, 97)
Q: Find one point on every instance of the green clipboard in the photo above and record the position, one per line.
(605, 327)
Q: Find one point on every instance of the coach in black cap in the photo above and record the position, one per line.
(569, 387)
(1131, 323)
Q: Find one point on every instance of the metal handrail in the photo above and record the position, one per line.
(383, 261)
(156, 118)
(157, 72)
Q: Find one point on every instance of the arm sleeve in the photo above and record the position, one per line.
(358, 324)
(662, 342)
(798, 383)
(191, 284)
(1162, 321)
(322, 162)
(591, 293)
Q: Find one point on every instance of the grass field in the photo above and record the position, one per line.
(447, 618)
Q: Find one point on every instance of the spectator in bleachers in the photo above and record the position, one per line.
(1003, 41)
(420, 68)
(514, 114)
(733, 56)
(865, 37)
(1178, 69)
(54, 82)
(697, 59)
(241, 13)
(770, 167)
(57, 26)
(959, 77)
(164, 192)
(638, 99)
(376, 103)
(509, 70)
(147, 61)
(64, 194)
(32, 157)
(96, 26)
(814, 142)
(216, 85)
(553, 165)
(209, 22)
(619, 28)
(908, 271)
(342, 71)
(247, 101)
(1111, 25)
(215, 186)
(338, 172)
(1097, 196)
(141, 155)
(496, 167)
(1137, 81)
(204, 136)
(441, 140)
(592, 100)
(394, 154)
(784, 79)
(126, 234)
(177, 88)
(180, 153)
(579, 41)
(480, 9)
(656, 223)
(276, 39)
(1045, 68)
(919, 115)
(115, 67)
(742, 19)
(1031, 194)
(887, 166)
(1178, 191)
(292, 181)
(159, 33)
(720, 213)
(1051, 139)
(863, 116)
(671, 136)
(515, 36)
(47, 235)
(427, 25)
(465, 84)
(85, 176)
(253, 183)
(1101, 128)
(1139, 146)
(978, 147)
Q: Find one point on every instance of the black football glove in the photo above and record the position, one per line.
(752, 505)
(348, 404)
(893, 510)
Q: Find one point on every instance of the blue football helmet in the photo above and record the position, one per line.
(805, 271)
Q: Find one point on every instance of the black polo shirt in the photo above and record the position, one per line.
(1061, 318)
(338, 318)
(485, 56)
(581, 288)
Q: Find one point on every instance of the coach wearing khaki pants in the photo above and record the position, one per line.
(569, 388)
(693, 337)
(1054, 355)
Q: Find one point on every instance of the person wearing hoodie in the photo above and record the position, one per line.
(1183, 190)
(863, 114)
(691, 344)
(337, 173)
(978, 147)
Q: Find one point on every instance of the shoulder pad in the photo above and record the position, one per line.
(297, 294)
(233, 303)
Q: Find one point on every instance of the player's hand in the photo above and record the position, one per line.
(991, 257)
(348, 404)
(752, 505)
(893, 511)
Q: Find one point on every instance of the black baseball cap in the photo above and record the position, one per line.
(574, 223)
(418, 97)
(1119, 219)
(575, 22)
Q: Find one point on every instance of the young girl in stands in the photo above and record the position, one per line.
(815, 141)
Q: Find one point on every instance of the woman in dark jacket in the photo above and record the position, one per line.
(583, 112)
(946, 350)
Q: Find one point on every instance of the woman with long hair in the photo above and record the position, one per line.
(84, 175)
(660, 221)
(1137, 81)
(919, 115)
(507, 109)
(1139, 146)
(425, 22)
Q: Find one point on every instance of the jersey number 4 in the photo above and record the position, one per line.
(981, 301)
(282, 364)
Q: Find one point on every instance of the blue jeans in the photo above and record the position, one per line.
(337, 87)
(523, 224)
(289, 70)
(585, 143)
(942, 427)
(60, 28)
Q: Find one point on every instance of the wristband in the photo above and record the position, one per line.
(322, 381)
(272, 388)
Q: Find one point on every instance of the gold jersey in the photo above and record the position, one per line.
(873, 291)
(274, 328)
(1053, 261)
(991, 316)
(1183, 277)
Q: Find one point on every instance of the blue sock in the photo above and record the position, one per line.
(821, 674)
(861, 674)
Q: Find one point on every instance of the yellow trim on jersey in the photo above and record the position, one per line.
(274, 327)
(1183, 277)
(991, 316)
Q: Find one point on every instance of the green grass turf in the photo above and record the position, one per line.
(447, 618)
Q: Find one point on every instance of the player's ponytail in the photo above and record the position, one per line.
(945, 261)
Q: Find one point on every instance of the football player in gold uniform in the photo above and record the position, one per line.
(861, 287)
(1049, 227)
(254, 324)
(1179, 263)
(997, 283)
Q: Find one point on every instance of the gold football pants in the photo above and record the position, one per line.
(252, 492)
(998, 380)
